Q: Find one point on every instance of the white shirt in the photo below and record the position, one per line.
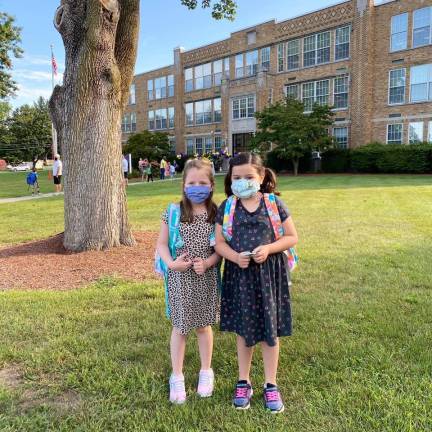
(57, 168)
(125, 165)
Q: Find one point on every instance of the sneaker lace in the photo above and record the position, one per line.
(241, 392)
(205, 379)
(272, 395)
(177, 386)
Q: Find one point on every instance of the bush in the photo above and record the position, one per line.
(392, 158)
(278, 163)
(335, 160)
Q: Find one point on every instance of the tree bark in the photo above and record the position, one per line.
(295, 165)
(100, 39)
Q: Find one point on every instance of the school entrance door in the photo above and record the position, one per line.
(241, 142)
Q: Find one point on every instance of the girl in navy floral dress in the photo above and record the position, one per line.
(255, 300)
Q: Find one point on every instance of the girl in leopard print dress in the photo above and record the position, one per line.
(192, 280)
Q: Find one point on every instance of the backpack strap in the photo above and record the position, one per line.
(227, 226)
(273, 212)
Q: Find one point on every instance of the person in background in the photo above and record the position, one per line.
(125, 165)
(149, 172)
(57, 173)
(162, 166)
(172, 170)
(141, 168)
(168, 169)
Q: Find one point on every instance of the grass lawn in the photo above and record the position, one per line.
(13, 184)
(96, 359)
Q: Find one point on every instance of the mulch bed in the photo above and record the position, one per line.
(45, 264)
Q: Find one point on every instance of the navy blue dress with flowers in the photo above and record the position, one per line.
(255, 301)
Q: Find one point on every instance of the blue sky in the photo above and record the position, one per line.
(165, 24)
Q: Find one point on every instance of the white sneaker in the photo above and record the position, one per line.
(206, 383)
(177, 389)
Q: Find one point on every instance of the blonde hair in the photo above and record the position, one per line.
(185, 204)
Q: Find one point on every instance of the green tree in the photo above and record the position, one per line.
(29, 129)
(146, 144)
(294, 132)
(100, 39)
(9, 45)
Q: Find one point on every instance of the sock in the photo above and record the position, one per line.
(269, 385)
(242, 382)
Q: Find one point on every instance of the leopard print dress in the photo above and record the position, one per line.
(194, 299)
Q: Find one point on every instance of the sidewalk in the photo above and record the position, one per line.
(52, 194)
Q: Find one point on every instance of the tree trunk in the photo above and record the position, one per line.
(100, 38)
(295, 162)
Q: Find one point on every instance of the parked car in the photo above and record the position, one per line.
(20, 167)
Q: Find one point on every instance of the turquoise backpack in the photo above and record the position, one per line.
(175, 242)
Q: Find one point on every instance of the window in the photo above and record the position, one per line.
(209, 145)
(239, 71)
(397, 86)
(399, 32)
(218, 143)
(160, 87)
(251, 62)
(243, 107)
(150, 94)
(421, 83)
(281, 57)
(161, 119)
(316, 49)
(188, 80)
(217, 109)
(340, 92)
(133, 122)
(151, 120)
(190, 146)
(292, 91)
(341, 137)
(251, 37)
(265, 59)
(217, 72)
(199, 145)
(189, 108)
(315, 92)
(199, 78)
(227, 67)
(394, 133)
(132, 95)
(171, 116)
(125, 127)
(170, 85)
(203, 112)
(207, 75)
(415, 132)
(422, 26)
(172, 143)
(430, 133)
(293, 54)
(342, 43)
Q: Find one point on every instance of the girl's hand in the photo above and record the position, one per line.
(181, 264)
(261, 253)
(200, 266)
(243, 260)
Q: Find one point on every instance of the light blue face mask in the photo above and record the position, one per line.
(243, 188)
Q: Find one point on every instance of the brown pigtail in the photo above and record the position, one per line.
(269, 183)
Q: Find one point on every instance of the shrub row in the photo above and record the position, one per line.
(372, 158)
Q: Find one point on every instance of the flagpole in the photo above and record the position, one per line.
(53, 131)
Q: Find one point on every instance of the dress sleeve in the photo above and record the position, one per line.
(220, 213)
(164, 216)
(284, 213)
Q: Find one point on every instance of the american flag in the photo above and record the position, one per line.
(53, 64)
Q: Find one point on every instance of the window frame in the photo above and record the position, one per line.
(428, 83)
(430, 27)
(401, 133)
(347, 78)
(346, 146)
(336, 44)
(406, 16)
(410, 124)
(389, 87)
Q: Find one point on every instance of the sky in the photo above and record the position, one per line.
(165, 24)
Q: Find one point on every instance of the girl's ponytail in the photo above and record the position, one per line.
(269, 183)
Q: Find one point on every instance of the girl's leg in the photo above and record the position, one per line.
(244, 355)
(270, 358)
(205, 344)
(177, 346)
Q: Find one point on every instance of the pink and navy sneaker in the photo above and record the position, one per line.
(177, 389)
(272, 399)
(206, 383)
(242, 395)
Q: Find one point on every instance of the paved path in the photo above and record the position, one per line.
(48, 195)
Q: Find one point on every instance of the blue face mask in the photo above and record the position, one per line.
(243, 188)
(197, 194)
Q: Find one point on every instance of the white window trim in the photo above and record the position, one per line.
(409, 130)
(239, 98)
(388, 88)
(348, 76)
(347, 135)
(402, 132)
(391, 34)
(349, 44)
